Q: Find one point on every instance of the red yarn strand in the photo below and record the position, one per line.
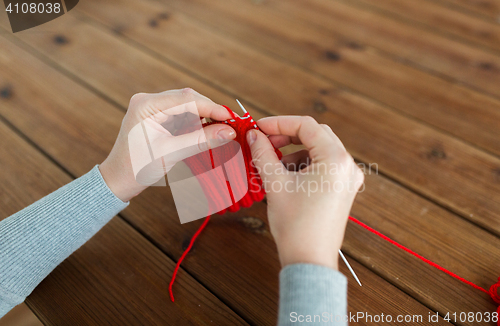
(193, 239)
(241, 125)
(191, 243)
(493, 291)
(417, 255)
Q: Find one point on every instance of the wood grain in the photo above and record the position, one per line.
(439, 54)
(488, 9)
(216, 259)
(117, 277)
(21, 315)
(442, 168)
(441, 19)
(243, 275)
(420, 48)
(444, 104)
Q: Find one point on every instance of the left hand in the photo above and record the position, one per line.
(152, 110)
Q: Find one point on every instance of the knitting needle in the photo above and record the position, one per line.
(340, 252)
(350, 268)
(241, 106)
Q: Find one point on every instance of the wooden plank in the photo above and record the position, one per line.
(486, 8)
(424, 49)
(456, 109)
(448, 171)
(21, 315)
(412, 45)
(118, 277)
(432, 232)
(121, 278)
(438, 18)
(60, 58)
(155, 215)
(244, 275)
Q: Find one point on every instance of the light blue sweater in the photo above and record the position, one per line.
(38, 238)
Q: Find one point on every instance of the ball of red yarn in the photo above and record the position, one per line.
(493, 292)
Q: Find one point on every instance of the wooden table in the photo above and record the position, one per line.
(411, 86)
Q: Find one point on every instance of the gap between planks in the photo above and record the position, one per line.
(169, 61)
(153, 53)
(450, 33)
(479, 144)
(399, 182)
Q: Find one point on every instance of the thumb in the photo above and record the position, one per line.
(263, 155)
(221, 133)
(176, 148)
(209, 137)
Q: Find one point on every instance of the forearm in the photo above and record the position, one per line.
(312, 290)
(38, 238)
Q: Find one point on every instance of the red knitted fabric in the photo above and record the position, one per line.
(250, 189)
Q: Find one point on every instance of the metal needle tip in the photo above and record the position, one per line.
(350, 268)
(241, 106)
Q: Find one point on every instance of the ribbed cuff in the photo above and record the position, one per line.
(8, 301)
(38, 238)
(312, 290)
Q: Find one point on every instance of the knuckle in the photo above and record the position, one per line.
(328, 154)
(188, 92)
(258, 153)
(308, 119)
(202, 141)
(331, 152)
(359, 179)
(137, 97)
(360, 176)
(137, 102)
(344, 158)
(326, 127)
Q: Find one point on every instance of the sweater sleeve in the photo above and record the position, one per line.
(312, 295)
(38, 238)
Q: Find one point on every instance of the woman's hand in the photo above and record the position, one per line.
(149, 114)
(310, 192)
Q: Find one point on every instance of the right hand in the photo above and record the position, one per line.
(306, 221)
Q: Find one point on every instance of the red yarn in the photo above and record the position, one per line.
(252, 188)
(199, 164)
(203, 162)
(496, 297)
(493, 292)
(174, 274)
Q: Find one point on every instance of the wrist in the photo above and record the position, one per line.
(308, 253)
(123, 186)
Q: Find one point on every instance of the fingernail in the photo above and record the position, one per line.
(251, 137)
(226, 133)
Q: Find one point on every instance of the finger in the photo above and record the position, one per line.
(315, 138)
(296, 161)
(174, 100)
(279, 141)
(206, 107)
(332, 134)
(175, 149)
(263, 155)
